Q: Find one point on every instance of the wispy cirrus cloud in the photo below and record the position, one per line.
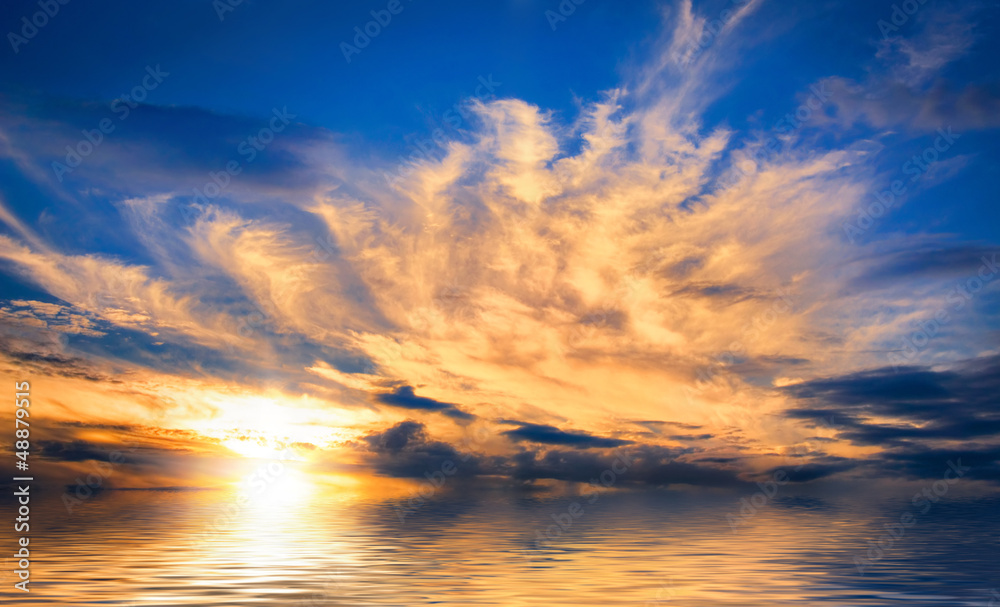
(908, 85)
(574, 274)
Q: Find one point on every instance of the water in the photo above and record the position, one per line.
(315, 547)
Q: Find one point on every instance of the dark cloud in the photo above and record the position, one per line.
(188, 140)
(53, 363)
(913, 412)
(817, 470)
(894, 105)
(983, 463)
(798, 502)
(640, 465)
(405, 398)
(550, 435)
(125, 453)
(405, 451)
(888, 269)
(949, 405)
(727, 293)
(396, 438)
(652, 424)
(72, 451)
(59, 365)
(89, 425)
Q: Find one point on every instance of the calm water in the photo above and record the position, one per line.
(315, 548)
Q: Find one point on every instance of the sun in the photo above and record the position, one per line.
(253, 445)
(258, 427)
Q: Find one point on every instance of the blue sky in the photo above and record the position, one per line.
(639, 225)
(260, 56)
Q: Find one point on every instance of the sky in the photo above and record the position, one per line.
(716, 239)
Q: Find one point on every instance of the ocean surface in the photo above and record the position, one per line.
(315, 547)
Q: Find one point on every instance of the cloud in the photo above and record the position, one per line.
(916, 413)
(51, 316)
(895, 105)
(920, 262)
(550, 435)
(908, 86)
(37, 346)
(405, 450)
(582, 271)
(817, 470)
(405, 398)
(397, 437)
(656, 425)
(75, 451)
(947, 34)
(983, 462)
(641, 465)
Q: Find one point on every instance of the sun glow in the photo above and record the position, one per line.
(262, 427)
(259, 446)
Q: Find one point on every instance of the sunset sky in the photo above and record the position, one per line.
(717, 240)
